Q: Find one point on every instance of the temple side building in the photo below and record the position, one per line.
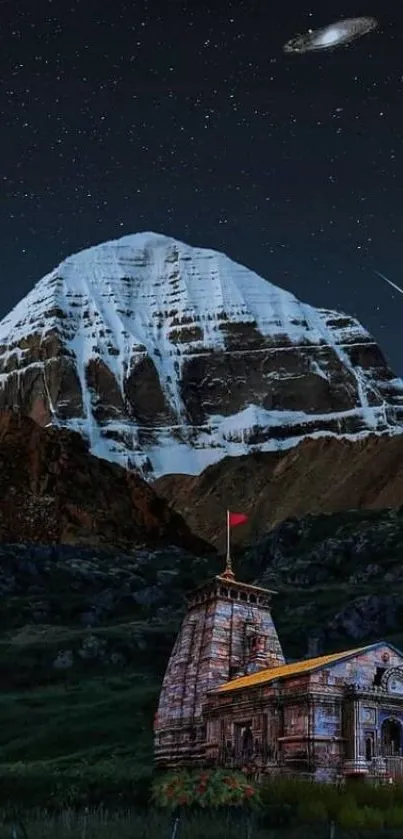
(229, 698)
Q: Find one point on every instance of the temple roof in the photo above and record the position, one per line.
(284, 671)
(232, 583)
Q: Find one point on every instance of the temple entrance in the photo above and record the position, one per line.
(243, 741)
(391, 738)
(247, 744)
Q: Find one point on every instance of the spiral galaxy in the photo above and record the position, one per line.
(328, 37)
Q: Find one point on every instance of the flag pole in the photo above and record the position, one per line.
(228, 562)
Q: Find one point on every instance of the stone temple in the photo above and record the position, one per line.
(230, 699)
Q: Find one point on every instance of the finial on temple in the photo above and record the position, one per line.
(228, 573)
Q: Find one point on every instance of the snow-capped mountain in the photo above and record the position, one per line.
(168, 357)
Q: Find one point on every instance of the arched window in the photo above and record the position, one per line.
(391, 735)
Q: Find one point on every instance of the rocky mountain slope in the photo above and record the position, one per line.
(167, 358)
(319, 475)
(339, 578)
(52, 490)
(85, 636)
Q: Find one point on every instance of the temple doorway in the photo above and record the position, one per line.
(247, 743)
(243, 740)
(391, 738)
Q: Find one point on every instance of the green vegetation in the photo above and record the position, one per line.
(288, 810)
(355, 806)
(85, 743)
(204, 789)
(129, 825)
(84, 640)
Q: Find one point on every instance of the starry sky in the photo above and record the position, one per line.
(186, 117)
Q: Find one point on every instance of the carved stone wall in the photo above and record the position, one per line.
(325, 721)
(212, 647)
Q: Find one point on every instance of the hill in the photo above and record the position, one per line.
(321, 475)
(53, 491)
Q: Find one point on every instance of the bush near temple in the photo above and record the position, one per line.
(204, 788)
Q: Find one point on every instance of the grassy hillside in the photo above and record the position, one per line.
(80, 690)
(89, 742)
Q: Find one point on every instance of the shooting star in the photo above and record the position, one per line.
(397, 287)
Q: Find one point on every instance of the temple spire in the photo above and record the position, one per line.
(228, 573)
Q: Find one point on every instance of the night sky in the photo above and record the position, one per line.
(187, 118)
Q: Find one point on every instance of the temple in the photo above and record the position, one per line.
(230, 699)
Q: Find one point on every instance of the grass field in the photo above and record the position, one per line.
(83, 735)
(88, 742)
(129, 825)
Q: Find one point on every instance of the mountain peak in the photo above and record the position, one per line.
(167, 357)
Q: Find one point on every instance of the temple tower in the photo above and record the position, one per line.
(227, 631)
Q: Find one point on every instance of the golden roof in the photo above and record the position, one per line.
(284, 671)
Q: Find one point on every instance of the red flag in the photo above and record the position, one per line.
(236, 518)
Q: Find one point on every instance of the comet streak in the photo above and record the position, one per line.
(397, 287)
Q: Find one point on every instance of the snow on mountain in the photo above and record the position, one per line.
(168, 357)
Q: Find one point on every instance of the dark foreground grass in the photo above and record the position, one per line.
(128, 824)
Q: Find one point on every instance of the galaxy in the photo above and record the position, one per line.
(329, 37)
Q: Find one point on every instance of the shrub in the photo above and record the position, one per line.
(111, 783)
(380, 797)
(336, 798)
(372, 818)
(394, 817)
(206, 788)
(396, 794)
(283, 800)
(350, 818)
(279, 815)
(312, 811)
(287, 791)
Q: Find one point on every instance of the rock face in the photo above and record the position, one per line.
(69, 606)
(339, 578)
(52, 491)
(167, 358)
(320, 475)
